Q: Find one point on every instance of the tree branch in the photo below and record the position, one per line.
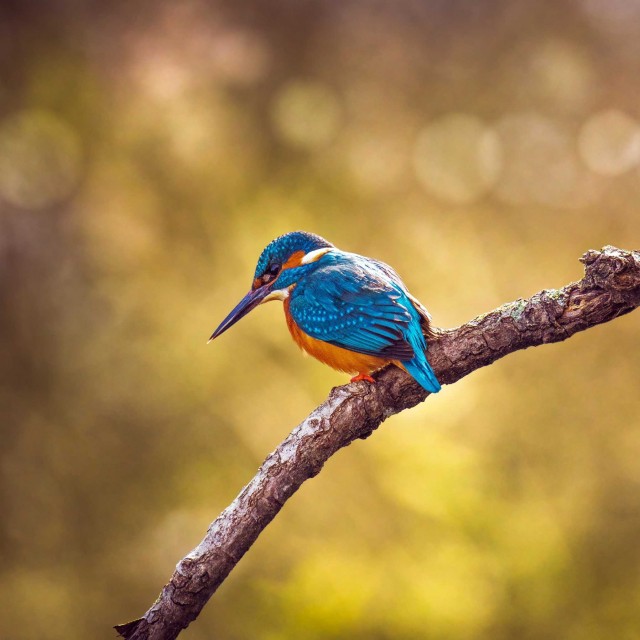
(610, 288)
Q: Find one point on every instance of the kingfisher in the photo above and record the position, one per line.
(350, 312)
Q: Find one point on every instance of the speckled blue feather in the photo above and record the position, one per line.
(360, 304)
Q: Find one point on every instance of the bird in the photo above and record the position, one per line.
(351, 312)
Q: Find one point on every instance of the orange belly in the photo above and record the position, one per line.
(336, 357)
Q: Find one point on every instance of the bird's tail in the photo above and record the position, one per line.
(421, 370)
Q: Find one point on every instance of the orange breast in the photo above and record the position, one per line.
(336, 357)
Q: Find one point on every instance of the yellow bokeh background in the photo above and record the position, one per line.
(150, 150)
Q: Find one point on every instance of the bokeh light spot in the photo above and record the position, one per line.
(40, 159)
(540, 164)
(609, 142)
(306, 114)
(240, 56)
(561, 71)
(161, 76)
(457, 158)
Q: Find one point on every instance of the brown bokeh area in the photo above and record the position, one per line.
(149, 151)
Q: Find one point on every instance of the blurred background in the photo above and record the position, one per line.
(149, 151)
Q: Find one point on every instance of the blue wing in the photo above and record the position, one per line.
(361, 305)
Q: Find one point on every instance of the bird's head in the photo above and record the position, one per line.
(279, 267)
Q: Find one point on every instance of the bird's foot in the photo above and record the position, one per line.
(363, 376)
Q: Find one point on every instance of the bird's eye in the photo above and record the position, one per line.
(272, 271)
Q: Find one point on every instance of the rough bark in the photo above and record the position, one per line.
(610, 288)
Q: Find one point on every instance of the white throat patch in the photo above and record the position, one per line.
(277, 294)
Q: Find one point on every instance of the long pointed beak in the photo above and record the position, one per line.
(249, 302)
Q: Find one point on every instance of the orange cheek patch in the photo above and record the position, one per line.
(295, 260)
